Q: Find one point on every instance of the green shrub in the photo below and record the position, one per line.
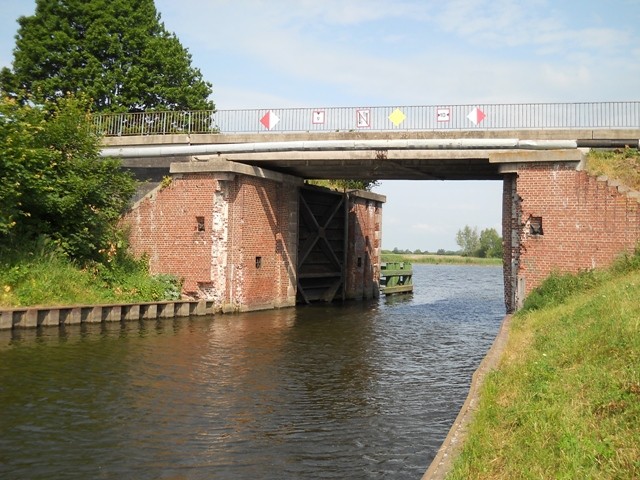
(53, 180)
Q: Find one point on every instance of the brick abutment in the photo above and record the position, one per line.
(559, 219)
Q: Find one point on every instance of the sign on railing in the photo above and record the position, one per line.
(539, 116)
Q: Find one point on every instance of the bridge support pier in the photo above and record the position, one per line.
(558, 218)
(231, 232)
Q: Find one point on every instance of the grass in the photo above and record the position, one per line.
(46, 277)
(621, 164)
(439, 259)
(565, 400)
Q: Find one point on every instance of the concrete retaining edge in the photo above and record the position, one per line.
(32, 317)
(452, 445)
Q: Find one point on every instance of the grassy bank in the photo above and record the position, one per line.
(45, 276)
(439, 259)
(565, 401)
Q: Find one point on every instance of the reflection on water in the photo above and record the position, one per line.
(360, 390)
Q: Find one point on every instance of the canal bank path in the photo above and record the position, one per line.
(452, 445)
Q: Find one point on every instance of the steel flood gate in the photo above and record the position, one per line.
(322, 245)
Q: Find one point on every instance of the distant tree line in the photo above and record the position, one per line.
(486, 244)
(417, 251)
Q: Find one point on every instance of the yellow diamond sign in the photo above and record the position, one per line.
(397, 117)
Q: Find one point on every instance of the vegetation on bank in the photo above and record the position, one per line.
(438, 259)
(565, 400)
(59, 209)
(53, 182)
(60, 203)
(43, 274)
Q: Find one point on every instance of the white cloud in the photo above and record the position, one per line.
(429, 228)
(459, 51)
(353, 12)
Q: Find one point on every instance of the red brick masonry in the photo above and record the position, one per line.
(556, 218)
(232, 236)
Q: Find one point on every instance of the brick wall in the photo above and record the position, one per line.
(262, 244)
(232, 241)
(363, 252)
(164, 226)
(566, 221)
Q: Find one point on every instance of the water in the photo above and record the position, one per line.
(355, 391)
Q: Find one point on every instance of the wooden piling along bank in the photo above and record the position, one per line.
(31, 317)
(396, 277)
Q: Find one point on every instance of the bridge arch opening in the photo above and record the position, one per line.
(425, 215)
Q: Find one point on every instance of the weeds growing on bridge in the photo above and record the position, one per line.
(621, 164)
(565, 400)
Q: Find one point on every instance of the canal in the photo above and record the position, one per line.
(353, 391)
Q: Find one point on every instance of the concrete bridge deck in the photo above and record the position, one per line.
(423, 155)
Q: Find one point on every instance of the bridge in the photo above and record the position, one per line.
(555, 217)
(408, 143)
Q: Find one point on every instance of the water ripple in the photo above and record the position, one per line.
(360, 390)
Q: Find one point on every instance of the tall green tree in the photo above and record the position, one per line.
(468, 240)
(116, 52)
(490, 244)
(52, 181)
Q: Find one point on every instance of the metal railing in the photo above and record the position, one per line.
(155, 123)
(540, 116)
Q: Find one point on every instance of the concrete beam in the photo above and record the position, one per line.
(376, 197)
(510, 161)
(338, 145)
(217, 165)
(141, 140)
(348, 155)
(529, 134)
(535, 156)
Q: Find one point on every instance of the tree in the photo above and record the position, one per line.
(52, 181)
(346, 185)
(468, 240)
(116, 52)
(490, 244)
(366, 185)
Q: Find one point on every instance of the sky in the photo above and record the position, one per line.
(366, 53)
